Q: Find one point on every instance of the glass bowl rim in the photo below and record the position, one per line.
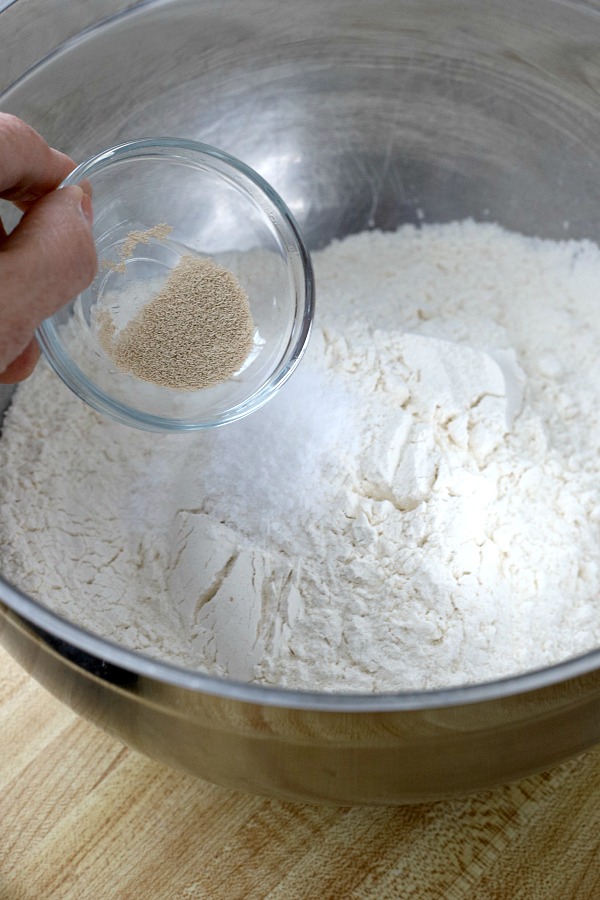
(287, 227)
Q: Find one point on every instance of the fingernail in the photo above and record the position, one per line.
(86, 209)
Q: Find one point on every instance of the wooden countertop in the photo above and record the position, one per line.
(82, 817)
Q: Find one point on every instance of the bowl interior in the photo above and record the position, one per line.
(358, 118)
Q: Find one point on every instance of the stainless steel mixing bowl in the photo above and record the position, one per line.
(361, 115)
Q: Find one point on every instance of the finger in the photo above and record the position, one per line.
(29, 168)
(46, 261)
(21, 367)
(85, 186)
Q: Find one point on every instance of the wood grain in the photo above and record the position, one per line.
(83, 818)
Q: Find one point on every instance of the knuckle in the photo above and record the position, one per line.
(14, 132)
(23, 152)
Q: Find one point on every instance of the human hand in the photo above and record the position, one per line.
(50, 256)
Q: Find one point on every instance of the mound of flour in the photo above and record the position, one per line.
(418, 507)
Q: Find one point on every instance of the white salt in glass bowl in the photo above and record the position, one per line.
(217, 208)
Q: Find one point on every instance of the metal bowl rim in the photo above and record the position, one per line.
(37, 615)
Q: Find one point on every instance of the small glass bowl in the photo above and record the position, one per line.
(218, 208)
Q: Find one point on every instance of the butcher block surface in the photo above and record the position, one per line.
(83, 817)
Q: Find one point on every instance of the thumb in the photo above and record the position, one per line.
(46, 261)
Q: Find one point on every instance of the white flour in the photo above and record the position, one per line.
(420, 506)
